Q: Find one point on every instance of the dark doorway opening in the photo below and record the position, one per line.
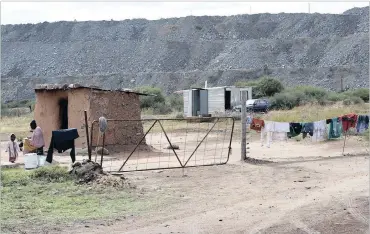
(196, 102)
(227, 100)
(63, 113)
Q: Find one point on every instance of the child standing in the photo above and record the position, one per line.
(13, 149)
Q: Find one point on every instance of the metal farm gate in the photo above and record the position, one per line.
(153, 144)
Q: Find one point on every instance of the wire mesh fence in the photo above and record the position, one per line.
(153, 144)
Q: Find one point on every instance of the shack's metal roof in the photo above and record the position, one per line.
(208, 88)
(40, 87)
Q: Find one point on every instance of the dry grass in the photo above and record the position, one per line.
(311, 113)
(17, 125)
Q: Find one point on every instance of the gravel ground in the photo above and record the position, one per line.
(315, 49)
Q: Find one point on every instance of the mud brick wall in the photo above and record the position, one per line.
(117, 105)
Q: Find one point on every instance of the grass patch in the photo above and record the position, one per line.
(309, 113)
(16, 124)
(48, 197)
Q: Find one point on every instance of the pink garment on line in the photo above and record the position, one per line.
(37, 138)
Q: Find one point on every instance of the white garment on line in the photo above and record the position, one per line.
(319, 130)
(267, 132)
(279, 136)
(274, 131)
(281, 127)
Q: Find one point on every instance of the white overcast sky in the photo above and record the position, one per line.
(35, 12)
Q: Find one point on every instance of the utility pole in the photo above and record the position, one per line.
(17, 102)
(309, 8)
(244, 126)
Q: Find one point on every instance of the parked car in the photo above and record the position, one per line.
(254, 105)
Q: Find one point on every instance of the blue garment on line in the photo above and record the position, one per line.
(249, 119)
(362, 123)
(307, 128)
(335, 128)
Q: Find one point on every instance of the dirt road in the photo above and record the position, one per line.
(321, 196)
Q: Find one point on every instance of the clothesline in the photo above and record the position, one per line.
(318, 130)
(303, 121)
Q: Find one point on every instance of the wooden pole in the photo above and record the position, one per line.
(102, 151)
(244, 126)
(344, 143)
(87, 136)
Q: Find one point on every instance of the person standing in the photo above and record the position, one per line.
(13, 149)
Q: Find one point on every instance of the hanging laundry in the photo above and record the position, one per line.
(307, 128)
(280, 132)
(294, 129)
(249, 119)
(362, 123)
(279, 136)
(257, 124)
(274, 131)
(335, 128)
(349, 121)
(266, 132)
(63, 140)
(319, 131)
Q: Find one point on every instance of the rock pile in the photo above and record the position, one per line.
(299, 49)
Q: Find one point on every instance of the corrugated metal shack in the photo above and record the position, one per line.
(204, 101)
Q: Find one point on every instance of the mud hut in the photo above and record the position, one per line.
(63, 106)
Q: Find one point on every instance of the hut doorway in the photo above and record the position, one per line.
(227, 100)
(63, 113)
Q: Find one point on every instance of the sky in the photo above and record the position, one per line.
(36, 12)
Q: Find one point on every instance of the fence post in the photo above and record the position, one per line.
(244, 126)
(87, 136)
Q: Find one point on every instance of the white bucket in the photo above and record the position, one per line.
(31, 161)
(42, 160)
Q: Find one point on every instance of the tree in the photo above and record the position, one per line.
(151, 101)
(269, 86)
(264, 86)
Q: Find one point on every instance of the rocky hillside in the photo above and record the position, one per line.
(314, 49)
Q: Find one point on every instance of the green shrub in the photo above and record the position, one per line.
(150, 101)
(176, 102)
(284, 100)
(362, 93)
(335, 97)
(269, 86)
(264, 86)
(313, 93)
(352, 100)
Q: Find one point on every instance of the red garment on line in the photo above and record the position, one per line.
(257, 124)
(348, 121)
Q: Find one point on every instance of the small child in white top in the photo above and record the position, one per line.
(13, 149)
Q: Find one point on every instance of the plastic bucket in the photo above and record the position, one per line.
(31, 161)
(42, 160)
